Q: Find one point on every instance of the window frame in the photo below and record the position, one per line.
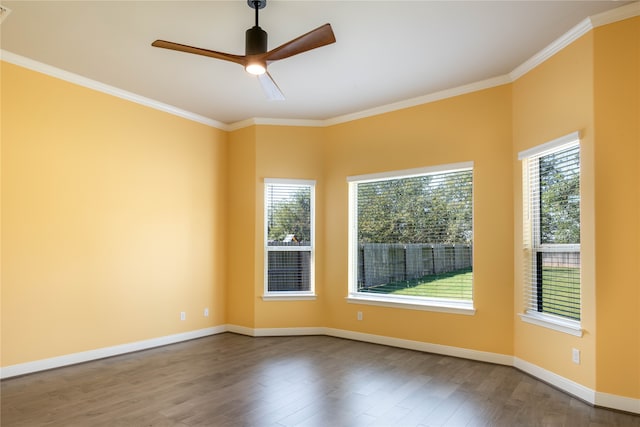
(289, 295)
(399, 301)
(531, 233)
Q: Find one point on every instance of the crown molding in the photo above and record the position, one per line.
(614, 15)
(275, 122)
(565, 40)
(618, 14)
(58, 73)
(425, 99)
(588, 24)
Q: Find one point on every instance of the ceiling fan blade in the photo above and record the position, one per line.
(270, 87)
(319, 37)
(238, 59)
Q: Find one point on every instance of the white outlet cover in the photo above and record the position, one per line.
(575, 355)
(183, 315)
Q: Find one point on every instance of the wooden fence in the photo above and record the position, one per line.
(382, 263)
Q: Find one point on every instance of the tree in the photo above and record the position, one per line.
(560, 197)
(423, 209)
(291, 215)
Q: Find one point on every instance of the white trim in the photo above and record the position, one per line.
(101, 353)
(289, 296)
(539, 150)
(275, 122)
(104, 88)
(559, 325)
(556, 46)
(465, 353)
(412, 303)
(408, 173)
(573, 388)
(620, 403)
(242, 330)
(288, 332)
(288, 181)
(421, 100)
(618, 14)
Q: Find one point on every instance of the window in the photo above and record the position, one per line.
(411, 238)
(289, 238)
(551, 180)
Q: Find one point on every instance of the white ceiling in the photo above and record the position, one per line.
(386, 51)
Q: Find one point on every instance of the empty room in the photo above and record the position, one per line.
(320, 213)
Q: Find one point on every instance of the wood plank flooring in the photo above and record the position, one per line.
(234, 380)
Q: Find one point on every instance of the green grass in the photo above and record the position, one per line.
(561, 291)
(560, 295)
(454, 285)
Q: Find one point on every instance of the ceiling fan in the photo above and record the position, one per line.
(256, 57)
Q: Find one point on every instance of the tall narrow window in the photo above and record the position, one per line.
(552, 231)
(289, 237)
(412, 237)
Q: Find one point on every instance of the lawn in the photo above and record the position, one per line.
(560, 295)
(561, 291)
(454, 285)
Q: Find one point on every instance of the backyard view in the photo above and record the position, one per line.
(452, 285)
(415, 236)
(561, 291)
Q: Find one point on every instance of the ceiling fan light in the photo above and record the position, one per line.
(255, 68)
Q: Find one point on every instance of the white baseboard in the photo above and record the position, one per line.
(620, 403)
(586, 394)
(282, 332)
(101, 353)
(568, 386)
(605, 400)
(482, 356)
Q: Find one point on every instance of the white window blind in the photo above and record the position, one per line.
(413, 235)
(289, 236)
(552, 231)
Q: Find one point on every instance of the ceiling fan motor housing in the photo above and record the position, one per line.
(255, 41)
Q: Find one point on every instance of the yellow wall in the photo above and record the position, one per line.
(112, 220)
(241, 228)
(617, 170)
(551, 101)
(474, 127)
(292, 153)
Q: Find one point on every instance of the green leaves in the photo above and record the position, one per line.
(433, 208)
(560, 197)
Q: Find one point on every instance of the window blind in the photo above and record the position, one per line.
(552, 231)
(415, 235)
(289, 236)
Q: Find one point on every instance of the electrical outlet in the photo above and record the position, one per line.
(206, 312)
(359, 315)
(183, 315)
(575, 356)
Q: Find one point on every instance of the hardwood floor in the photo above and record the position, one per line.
(234, 380)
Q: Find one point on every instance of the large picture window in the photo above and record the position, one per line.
(412, 237)
(552, 231)
(289, 237)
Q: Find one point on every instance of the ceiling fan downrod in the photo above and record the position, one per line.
(256, 37)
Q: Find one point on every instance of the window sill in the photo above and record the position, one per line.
(570, 327)
(446, 306)
(289, 296)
